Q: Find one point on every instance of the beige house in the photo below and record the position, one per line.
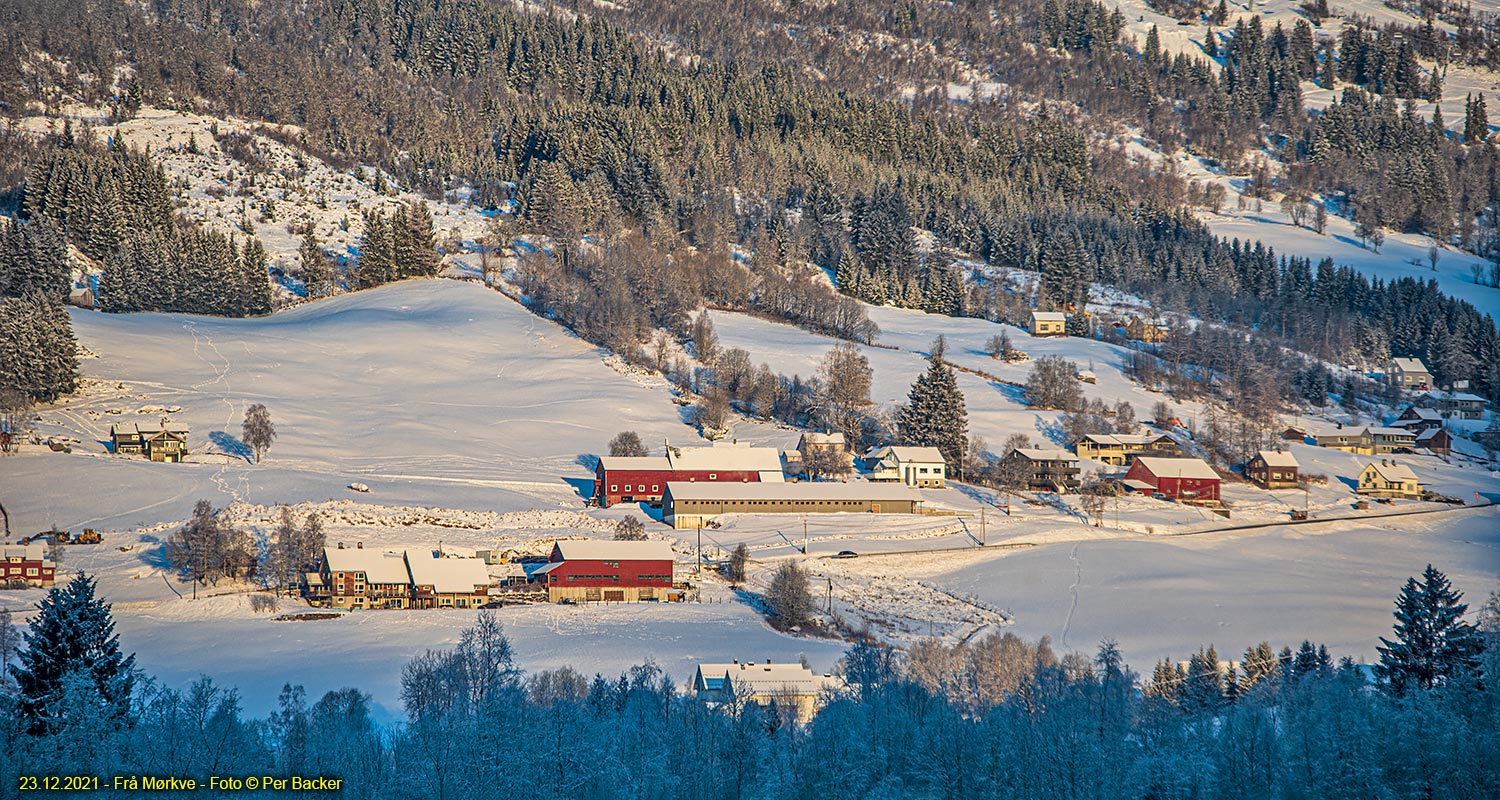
(1368, 441)
(922, 467)
(1143, 331)
(1122, 448)
(1388, 479)
(164, 441)
(1049, 323)
(785, 686)
(1410, 373)
(444, 581)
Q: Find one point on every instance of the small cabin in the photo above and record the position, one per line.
(1049, 323)
(1272, 469)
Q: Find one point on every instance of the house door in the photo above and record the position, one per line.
(614, 595)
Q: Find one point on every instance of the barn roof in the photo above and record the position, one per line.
(447, 575)
(1040, 454)
(379, 566)
(727, 456)
(1177, 468)
(807, 490)
(908, 453)
(602, 550)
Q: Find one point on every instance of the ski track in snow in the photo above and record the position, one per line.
(1077, 579)
(221, 376)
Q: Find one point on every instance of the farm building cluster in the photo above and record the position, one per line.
(356, 578)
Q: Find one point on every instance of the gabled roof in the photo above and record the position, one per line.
(1431, 433)
(447, 575)
(1423, 413)
(1454, 397)
(1177, 468)
(1049, 316)
(1382, 431)
(908, 453)
(763, 679)
(25, 552)
(1274, 458)
(807, 490)
(146, 428)
(1409, 364)
(1124, 439)
(823, 438)
(726, 456)
(1040, 454)
(645, 463)
(602, 550)
(1392, 472)
(379, 566)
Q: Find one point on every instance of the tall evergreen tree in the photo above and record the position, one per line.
(1432, 642)
(934, 414)
(72, 636)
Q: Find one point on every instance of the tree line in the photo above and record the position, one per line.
(997, 717)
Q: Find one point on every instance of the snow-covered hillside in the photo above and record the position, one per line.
(472, 422)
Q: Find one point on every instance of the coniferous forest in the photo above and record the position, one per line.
(997, 717)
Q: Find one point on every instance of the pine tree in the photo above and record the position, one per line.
(1432, 642)
(72, 637)
(255, 280)
(934, 414)
(317, 268)
(377, 258)
(1476, 119)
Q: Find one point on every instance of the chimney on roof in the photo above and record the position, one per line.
(359, 545)
(341, 545)
(736, 661)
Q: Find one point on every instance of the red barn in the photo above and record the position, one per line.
(1186, 480)
(632, 479)
(26, 565)
(617, 572)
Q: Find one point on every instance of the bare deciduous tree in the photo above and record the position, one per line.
(789, 595)
(630, 529)
(258, 431)
(628, 444)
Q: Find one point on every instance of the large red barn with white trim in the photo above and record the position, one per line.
(634, 479)
(613, 571)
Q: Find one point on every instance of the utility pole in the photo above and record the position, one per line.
(6, 515)
(804, 536)
(830, 595)
(698, 560)
(981, 527)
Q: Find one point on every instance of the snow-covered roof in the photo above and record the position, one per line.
(823, 438)
(1454, 397)
(25, 552)
(908, 454)
(1423, 413)
(1430, 433)
(1409, 364)
(379, 566)
(763, 679)
(146, 428)
(1177, 467)
(727, 456)
(1276, 458)
(1040, 454)
(1383, 431)
(1049, 316)
(658, 463)
(1393, 472)
(601, 550)
(721, 456)
(1125, 439)
(447, 575)
(808, 490)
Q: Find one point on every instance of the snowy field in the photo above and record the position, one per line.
(472, 421)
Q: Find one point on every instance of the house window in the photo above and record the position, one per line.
(655, 487)
(713, 476)
(614, 488)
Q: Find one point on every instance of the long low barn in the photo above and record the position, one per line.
(687, 505)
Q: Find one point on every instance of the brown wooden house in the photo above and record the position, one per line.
(1272, 469)
(159, 442)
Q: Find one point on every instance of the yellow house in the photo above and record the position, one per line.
(1049, 323)
(1369, 441)
(790, 687)
(1389, 479)
(1143, 331)
(1120, 448)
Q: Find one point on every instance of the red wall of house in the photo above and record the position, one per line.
(1172, 486)
(9, 571)
(630, 574)
(636, 478)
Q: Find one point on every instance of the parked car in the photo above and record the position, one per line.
(847, 554)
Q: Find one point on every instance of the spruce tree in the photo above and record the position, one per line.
(256, 281)
(934, 414)
(1432, 642)
(71, 638)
